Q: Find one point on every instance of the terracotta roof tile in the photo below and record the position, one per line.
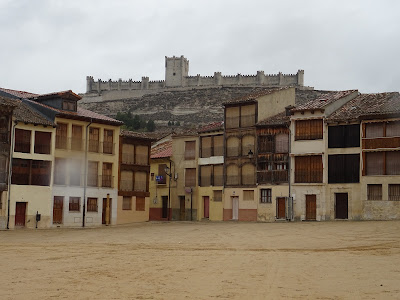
(162, 150)
(19, 94)
(278, 119)
(138, 135)
(215, 126)
(27, 114)
(8, 102)
(368, 106)
(321, 102)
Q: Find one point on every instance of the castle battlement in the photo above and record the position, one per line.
(176, 76)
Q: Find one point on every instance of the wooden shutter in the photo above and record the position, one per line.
(218, 175)
(232, 175)
(142, 155)
(336, 136)
(352, 135)
(394, 192)
(282, 143)
(393, 163)
(128, 151)
(373, 130)
(248, 115)
(393, 128)
(232, 146)
(140, 181)
(232, 117)
(140, 204)
(248, 195)
(248, 174)
(22, 141)
(205, 175)
(206, 146)
(218, 145)
(77, 141)
(94, 139)
(190, 150)
(190, 177)
(40, 172)
(374, 191)
(374, 162)
(126, 183)
(42, 142)
(217, 196)
(248, 142)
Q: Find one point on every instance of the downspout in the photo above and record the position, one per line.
(85, 173)
(289, 172)
(10, 171)
(169, 192)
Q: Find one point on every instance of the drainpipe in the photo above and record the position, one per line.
(289, 172)
(169, 192)
(85, 173)
(10, 171)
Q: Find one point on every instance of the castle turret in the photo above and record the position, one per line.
(176, 68)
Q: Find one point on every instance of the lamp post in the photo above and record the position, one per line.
(168, 172)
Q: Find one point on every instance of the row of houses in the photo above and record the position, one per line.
(284, 154)
(279, 154)
(62, 165)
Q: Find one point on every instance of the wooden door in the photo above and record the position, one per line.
(235, 208)
(281, 208)
(341, 211)
(206, 200)
(20, 210)
(58, 210)
(104, 212)
(182, 209)
(311, 207)
(164, 206)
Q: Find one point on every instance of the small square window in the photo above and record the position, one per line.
(127, 203)
(374, 191)
(265, 196)
(92, 204)
(74, 203)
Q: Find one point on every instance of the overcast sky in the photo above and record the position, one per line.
(49, 46)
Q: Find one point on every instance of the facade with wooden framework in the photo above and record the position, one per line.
(133, 178)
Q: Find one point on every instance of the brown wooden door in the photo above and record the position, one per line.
(341, 211)
(20, 210)
(206, 206)
(182, 209)
(104, 212)
(164, 200)
(280, 202)
(311, 207)
(58, 210)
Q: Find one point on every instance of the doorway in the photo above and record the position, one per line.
(58, 209)
(182, 208)
(20, 211)
(311, 207)
(104, 213)
(281, 208)
(206, 201)
(341, 205)
(164, 200)
(235, 208)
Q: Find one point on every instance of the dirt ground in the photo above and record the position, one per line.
(183, 260)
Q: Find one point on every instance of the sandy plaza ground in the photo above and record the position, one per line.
(205, 260)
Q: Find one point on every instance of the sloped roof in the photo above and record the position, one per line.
(254, 96)
(137, 135)
(367, 106)
(68, 94)
(278, 119)
(27, 114)
(324, 100)
(162, 150)
(7, 102)
(19, 94)
(215, 126)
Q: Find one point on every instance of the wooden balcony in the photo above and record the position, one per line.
(381, 143)
(272, 176)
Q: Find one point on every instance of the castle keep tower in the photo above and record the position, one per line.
(176, 68)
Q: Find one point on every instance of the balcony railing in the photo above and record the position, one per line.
(94, 146)
(272, 176)
(61, 142)
(42, 148)
(76, 144)
(24, 147)
(107, 181)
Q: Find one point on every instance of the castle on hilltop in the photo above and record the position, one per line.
(177, 78)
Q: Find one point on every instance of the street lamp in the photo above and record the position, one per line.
(168, 173)
(250, 154)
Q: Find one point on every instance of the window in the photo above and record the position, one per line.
(94, 139)
(373, 130)
(375, 163)
(126, 182)
(22, 141)
(308, 169)
(92, 176)
(344, 136)
(108, 145)
(393, 129)
(31, 172)
(140, 204)
(141, 155)
(232, 146)
(74, 203)
(76, 141)
(247, 115)
(232, 175)
(21, 169)
(218, 148)
(394, 192)
(92, 204)
(265, 196)
(42, 142)
(309, 129)
(282, 143)
(107, 175)
(206, 146)
(60, 171)
(127, 203)
(162, 176)
(75, 166)
(40, 172)
(344, 168)
(248, 142)
(248, 195)
(205, 175)
(217, 196)
(140, 181)
(69, 105)
(248, 174)
(232, 117)
(266, 144)
(218, 175)
(61, 136)
(190, 177)
(190, 150)
(374, 191)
